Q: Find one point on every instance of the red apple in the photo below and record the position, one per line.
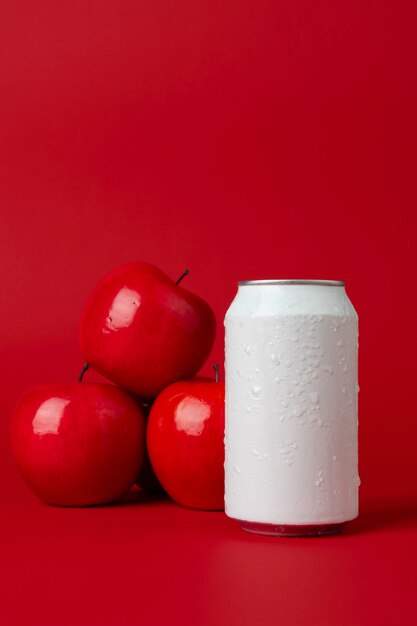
(185, 438)
(143, 331)
(78, 444)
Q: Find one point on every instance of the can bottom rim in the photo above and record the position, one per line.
(291, 530)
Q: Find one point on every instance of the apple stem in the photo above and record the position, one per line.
(83, 371)
(216, 372)
(183, 275)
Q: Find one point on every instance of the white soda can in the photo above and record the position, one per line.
(291, 437)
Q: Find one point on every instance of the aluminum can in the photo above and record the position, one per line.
(291, 432)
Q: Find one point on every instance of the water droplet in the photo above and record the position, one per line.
(334, 457)
(247, 350)
(340, 343)
(298, 412)
(327, 368)
(320, 480)
(314, 397)
(256, 391)
(274, 359)
(248, 409)
(236, 470)
(320, 422)
(344, 389)
(343, 365)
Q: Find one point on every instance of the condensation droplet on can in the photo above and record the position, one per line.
(256, 391)
(314, 397)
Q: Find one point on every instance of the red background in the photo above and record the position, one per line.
(241, 139)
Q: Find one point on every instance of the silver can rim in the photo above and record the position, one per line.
(293, 281)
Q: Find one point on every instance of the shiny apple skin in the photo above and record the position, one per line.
(185, 440)
(143, 332)
(78, 444)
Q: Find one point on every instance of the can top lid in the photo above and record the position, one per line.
(294, 281)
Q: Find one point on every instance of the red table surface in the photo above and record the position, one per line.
(242, 139)
(151, 562)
